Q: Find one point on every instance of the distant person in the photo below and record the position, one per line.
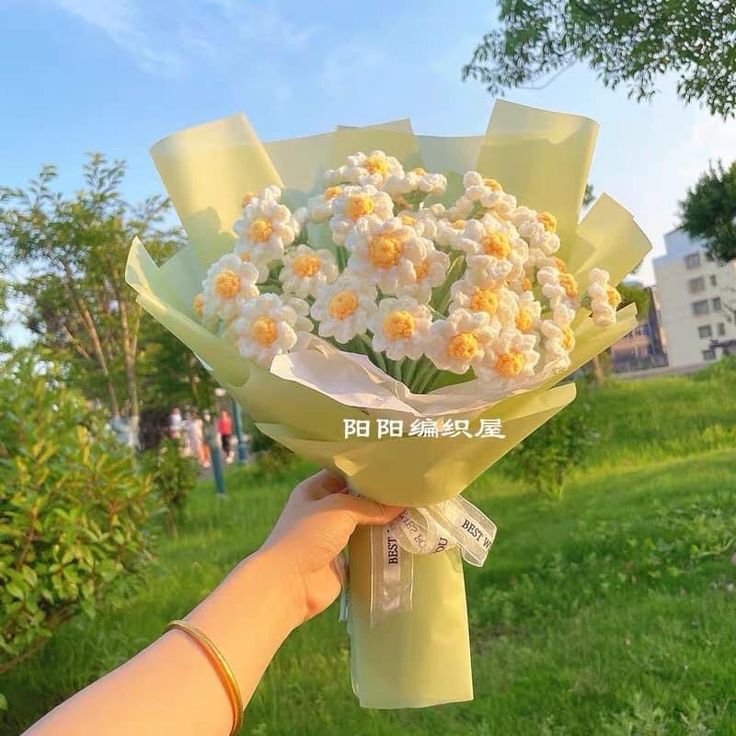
(225, 428)
(209, 435)
(175, 685)
(196, 437)
(176, 424)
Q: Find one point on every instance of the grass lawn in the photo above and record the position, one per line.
(612, 612)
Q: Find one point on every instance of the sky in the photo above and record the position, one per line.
(117, 75)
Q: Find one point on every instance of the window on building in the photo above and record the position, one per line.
(721, 328)
(713, 279)
(709, 354)
(700, 307)
(716, 303)
(696, 285)
(705, 331)
(692, 261)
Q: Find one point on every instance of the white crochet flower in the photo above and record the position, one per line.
(509, 361)
(537, 228)
(423, 220)
(559, 287)
(460, 341)
(301, 307)
(344, 307)
(386, 253)
(604, 298)
(489, 194)
(353, 205)
(496, 239)
(306, 270)
(320, 207)
(265, 327)
(375, 169)
(428, 274)
(498, 302)
(265, 229)
(229, 281)
(401, 327)
(416, 180)
(528, 312)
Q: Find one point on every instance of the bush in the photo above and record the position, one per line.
(545, 459)
(72, 510)
(174, 477)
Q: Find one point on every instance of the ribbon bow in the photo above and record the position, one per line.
(421, 531)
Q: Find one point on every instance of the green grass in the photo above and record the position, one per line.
(613, 612)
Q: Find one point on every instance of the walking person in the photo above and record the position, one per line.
(196, 438)
(225, 428)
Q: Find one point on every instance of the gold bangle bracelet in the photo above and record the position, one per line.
(224, 670)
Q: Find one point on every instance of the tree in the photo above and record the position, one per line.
(66, 259)
(628, 43)
(708, 212)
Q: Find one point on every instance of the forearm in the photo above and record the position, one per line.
(171, 686)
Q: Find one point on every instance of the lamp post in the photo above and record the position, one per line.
(238, 420)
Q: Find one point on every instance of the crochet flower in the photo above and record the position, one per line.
(509, 360)
(353, 205)
(460, 341)
(306, 269)
(362, 169)
(387, 253)
(400, 328)
(604, 298)
(497, 240)
(488, 193)
(498, 302)
(320, 207)
(265, 229)
(416, 180)
(229, 281)
(538, 229)
(265, 327)
(428, 274)
(344, 307)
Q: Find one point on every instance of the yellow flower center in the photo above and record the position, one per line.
(331, 193)
(263, 331)
(359, 205)
(524, 320)
(421, 269)
(247, 198)
(496, 244)
(526, 283)
(567, 280)
(260, 230)
(343, 304)
(419, 171)
(509, 364)
(408, 220)
(463, 346)
(493, 185)
(198, 305)
(376, 165)
(305, 265)
(399, 325)
(457, 224)
(548, 220)
(227, 284)
(484, 300)
(560, 265)
(568, 338)
(614, 298)
(385, 250)
(245, 257)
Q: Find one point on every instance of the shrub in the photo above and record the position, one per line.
(72, 510)
(545, 459)
(174, 477)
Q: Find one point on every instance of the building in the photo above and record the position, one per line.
(697, 298)
(645, 346)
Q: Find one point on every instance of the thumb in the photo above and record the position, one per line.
(363, 510)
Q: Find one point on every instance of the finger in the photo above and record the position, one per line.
(363, 510)
(322, 484)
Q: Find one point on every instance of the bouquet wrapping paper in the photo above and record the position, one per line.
(417, 657)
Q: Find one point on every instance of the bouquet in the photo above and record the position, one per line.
(399, 309)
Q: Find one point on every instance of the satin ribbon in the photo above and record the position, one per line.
(420, 531)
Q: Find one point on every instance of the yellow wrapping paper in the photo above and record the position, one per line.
(420, 657)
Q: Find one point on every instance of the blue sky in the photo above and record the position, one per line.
(116, 75)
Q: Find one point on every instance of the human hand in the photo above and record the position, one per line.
(313, 529)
